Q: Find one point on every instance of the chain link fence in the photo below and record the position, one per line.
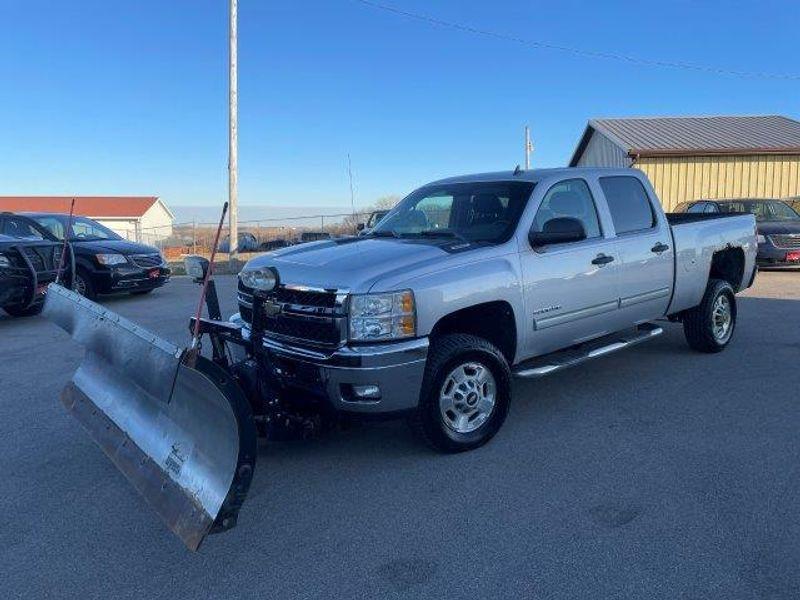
(178, 239)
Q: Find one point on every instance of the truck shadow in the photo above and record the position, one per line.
(606, 388)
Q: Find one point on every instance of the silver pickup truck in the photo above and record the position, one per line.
(465, 284)
(472, 280)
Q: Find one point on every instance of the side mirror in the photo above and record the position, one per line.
(360, 227)
(196, 267)
(560, 230)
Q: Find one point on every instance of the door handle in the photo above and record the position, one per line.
(602, 260)
(659, 248)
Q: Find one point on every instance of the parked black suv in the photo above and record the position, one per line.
(29, 261)
(105, 263)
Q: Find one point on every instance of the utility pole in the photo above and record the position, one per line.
(233, 136)
(352, 194)
(528, 147)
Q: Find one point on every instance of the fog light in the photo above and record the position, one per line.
(366, 392)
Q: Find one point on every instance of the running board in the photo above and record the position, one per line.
(550, 363)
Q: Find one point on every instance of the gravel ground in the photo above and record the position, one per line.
(652, 473)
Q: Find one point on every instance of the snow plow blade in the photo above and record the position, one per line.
(181, 433)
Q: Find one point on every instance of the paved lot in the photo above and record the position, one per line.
(656, 473)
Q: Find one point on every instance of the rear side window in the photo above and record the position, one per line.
(698, 208)
(629, 205)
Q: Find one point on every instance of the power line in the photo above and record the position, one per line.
(627, 58)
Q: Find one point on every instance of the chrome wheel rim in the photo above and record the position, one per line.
(79, 285)
(467, 397)
(722, 318)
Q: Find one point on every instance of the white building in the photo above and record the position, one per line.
(143, 219)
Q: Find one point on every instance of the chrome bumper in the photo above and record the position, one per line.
(397, 369)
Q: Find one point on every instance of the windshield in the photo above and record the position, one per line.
(764, 210)
(83, 229)
(474, 212)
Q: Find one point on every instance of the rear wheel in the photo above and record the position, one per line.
(709, 326)
(465, 394)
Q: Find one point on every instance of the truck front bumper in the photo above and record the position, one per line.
(381, 379)
(376, 379)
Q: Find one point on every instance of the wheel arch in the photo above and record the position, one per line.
(492, 321)
(728, 265)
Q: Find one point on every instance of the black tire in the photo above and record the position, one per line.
(19, 311)
(446, 354)
(698, 322)
(84, 286)
(141, 292)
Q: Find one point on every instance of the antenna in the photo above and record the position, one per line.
(528, 147)
(352, 193)
(195, 346)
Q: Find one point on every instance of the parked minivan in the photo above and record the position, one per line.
(106, 263)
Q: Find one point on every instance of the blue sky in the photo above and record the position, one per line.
(113, 97)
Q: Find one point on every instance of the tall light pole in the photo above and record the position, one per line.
(233, 136)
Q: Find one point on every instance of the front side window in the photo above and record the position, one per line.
(700, 207)
(475, 212)
(83, 229)
(572, 199)
(628, 203)
(87, 229)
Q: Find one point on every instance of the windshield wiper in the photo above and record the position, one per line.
(383, 233)
(442, 233)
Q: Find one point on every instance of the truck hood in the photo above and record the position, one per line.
(768, 227)
(353, 264)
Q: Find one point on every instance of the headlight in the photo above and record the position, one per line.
(4, 261)
(263, 279)
(376, 317)
(761, 239)
(110, 259)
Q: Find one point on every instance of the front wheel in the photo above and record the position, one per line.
(465, 394)
(709, 326)
(84, 286)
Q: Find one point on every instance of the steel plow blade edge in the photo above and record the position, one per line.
(182, 434)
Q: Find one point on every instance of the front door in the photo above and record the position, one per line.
(570, 289)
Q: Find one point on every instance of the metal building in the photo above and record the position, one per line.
(687, 158)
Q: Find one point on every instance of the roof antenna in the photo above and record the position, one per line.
(517, 170)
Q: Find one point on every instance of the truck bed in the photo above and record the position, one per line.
(696, 238)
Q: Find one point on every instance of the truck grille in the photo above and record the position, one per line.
(306, 316)
(789, 241)
(147, 261)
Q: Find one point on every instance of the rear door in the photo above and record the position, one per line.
(644, 246)
(570, 289)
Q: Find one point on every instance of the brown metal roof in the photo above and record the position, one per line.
(89, 206)
(705, 136)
